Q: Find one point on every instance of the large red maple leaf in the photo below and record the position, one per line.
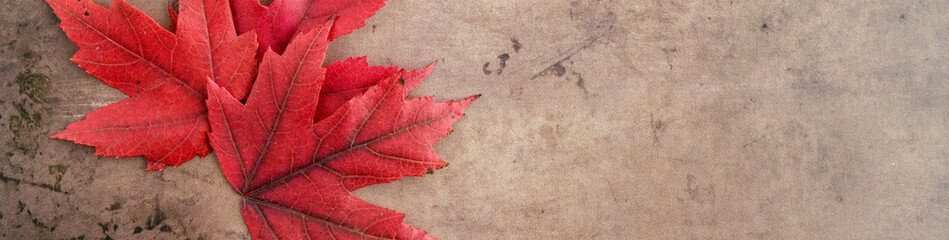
(165, 75)
(295, 174)
(279, 21)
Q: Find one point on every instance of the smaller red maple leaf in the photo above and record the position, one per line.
(351, 77)
(278, 22)
(164, 74)
(295, 175)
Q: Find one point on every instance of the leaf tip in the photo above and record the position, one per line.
(469, 100)
(58, 135)
(155, 166)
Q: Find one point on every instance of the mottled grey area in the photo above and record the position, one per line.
(599, 120)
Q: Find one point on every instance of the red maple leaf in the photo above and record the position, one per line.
(276, 23)
(351, 77)
(164, 74)
(295, 174)
(346, 79)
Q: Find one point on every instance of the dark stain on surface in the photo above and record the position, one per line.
(34, 85)
(502, 59)
(656, 126)
(669, 51)
(516, 92)
(487, 68)
(812, 82)
(580, 83)
(697, 192)
(115, 206)
(502, 63)
(38, 223)
(156, 219)
(57, 171)
(594, 17)
(26, 123)
(516, 45)
(558, 69)
(577, 78)
(104, 226)
(35, 221)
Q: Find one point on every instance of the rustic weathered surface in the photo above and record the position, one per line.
(600, 119)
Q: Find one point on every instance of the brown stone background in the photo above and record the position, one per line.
(600, 120)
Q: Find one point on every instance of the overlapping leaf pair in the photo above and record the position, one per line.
(304, 137)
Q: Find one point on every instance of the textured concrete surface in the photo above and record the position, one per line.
(600, 120)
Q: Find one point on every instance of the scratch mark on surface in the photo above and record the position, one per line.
(757, 139)
(612, 192)
(4, 178)
(557, 66)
